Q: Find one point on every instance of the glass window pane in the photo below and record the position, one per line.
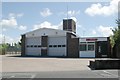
(50, 45)
(35, 45)
(28, 46)
(90, 47)
(63, 45)
(59, 45)
(54, 45)
(39, 45)
(83, 47)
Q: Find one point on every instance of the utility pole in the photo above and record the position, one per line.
(3, 46)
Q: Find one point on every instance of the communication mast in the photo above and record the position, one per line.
(67, 15)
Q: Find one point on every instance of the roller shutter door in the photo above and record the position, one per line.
(57, 46)
(33, 46)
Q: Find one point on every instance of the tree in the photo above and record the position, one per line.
(3, 48)
(115, 38)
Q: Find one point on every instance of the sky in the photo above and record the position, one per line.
(93, 19)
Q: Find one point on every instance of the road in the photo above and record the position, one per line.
(35, 68)
(63, 74)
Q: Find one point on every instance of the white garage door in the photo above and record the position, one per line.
(33, 46)
(57, 46)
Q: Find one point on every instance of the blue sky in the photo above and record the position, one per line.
(92, 18)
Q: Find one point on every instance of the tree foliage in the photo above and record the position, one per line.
(7, 47)
(115, 38)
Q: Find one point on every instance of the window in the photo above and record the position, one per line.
(31, 46)
(63, 45)
(28, 46)
(59, 45)
(54, 45)
(90, 47)
(83, 47)
(39, 45)
(50, 45)
(35, 45)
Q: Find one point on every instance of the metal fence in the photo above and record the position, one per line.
(11, 50)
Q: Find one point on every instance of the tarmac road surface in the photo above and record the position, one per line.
(36, 68)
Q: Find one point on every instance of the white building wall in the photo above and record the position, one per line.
(44, 31)
(55, 37)
(87, 54)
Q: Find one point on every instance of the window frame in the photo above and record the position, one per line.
(89, 49)
(81, 45)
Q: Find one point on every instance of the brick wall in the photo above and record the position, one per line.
(72, 46)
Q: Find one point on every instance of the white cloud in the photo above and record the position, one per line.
(94, 32)
(74, 18)
(70, 13)
(45, 24)
(102, 31)
(22, 28)
(73, 13)
(99, 9)
(60, 26)
(20, 15)
(15, 15)
(4, 29)
(46, 12)
(105, 31)
(9, 22)
(8, 39)
(78, 25)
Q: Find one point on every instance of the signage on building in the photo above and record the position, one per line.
(91, 39)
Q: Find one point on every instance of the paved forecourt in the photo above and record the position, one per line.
(37, 67)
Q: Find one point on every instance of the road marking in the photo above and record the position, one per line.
(105, 75)
(110, 73)
(12, 76)
(33, 76)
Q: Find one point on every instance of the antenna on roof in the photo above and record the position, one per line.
(67, 15)
(67, 10)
